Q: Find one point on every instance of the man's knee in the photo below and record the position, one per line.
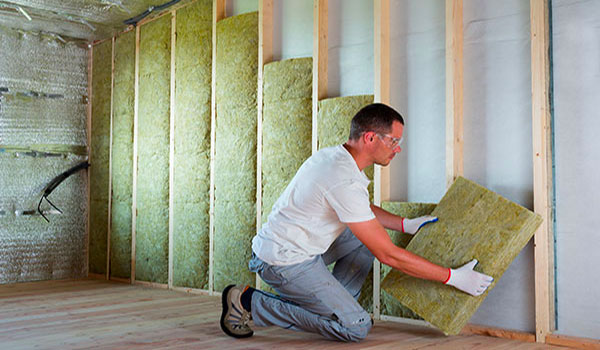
(358, 328)
(359, 333)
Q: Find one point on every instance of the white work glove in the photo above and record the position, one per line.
(411, 226)
(469, 281)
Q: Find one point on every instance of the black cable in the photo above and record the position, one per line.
(57, 181)
(135, 20)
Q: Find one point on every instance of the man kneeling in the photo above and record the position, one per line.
(323, 217)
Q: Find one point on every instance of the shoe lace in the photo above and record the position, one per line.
(245, 318)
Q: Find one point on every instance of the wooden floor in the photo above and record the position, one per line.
(85, 314)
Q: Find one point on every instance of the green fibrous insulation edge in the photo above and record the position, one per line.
(122, 155)
(389, 305)
(191, 182)
(99, 159)
(474, 223)
(334, 117)
(287, 125)
(152, 222)
(235, 149)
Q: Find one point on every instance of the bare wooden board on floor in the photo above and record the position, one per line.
(95, 314)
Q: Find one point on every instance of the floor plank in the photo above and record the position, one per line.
(89, 313)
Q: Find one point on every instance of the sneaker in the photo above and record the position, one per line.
(234, 318)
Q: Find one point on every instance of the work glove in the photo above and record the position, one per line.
(469, 281)
(411, 226)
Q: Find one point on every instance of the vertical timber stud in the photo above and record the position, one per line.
(319, 83)
(454, 90)
(89, 151)
(382, 95)
(265, 55)
(135, 150)
(110, 146)
(542, 168)
(218, 8)
(172, 145)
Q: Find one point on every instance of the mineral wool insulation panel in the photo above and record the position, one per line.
(122, 155)
(334, 117)
(99, 157)
(473, 223)
(152, 222)
(235, 153)
(287, 125)
(191, 183)
(389, 305)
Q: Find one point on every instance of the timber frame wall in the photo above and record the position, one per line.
(541, 136)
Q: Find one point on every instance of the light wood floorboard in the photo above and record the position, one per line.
(90, 313)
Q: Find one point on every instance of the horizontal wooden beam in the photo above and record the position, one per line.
(120, 280)
(194, 291)
(152, 284)
(572, 342)
(498, 333)
(97, 276)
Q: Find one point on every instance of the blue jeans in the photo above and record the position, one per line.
(313, 299)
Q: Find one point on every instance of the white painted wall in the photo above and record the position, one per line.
(350, 67)
(497, 144)
(292, 29)
(497, 121)
(576, 59)
(238, 7)
(417, 91)
(350, 41)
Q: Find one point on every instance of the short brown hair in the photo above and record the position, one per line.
(376, 117)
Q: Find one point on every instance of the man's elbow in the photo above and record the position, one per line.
(385, 258)
(393, 258)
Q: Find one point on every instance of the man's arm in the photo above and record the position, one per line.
(400, 224)
(372, 234)
(387, 219)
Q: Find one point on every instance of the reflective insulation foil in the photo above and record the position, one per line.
(78, 19)
(43, 100)
(43, 87)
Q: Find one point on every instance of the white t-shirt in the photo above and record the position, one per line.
(327, 192)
